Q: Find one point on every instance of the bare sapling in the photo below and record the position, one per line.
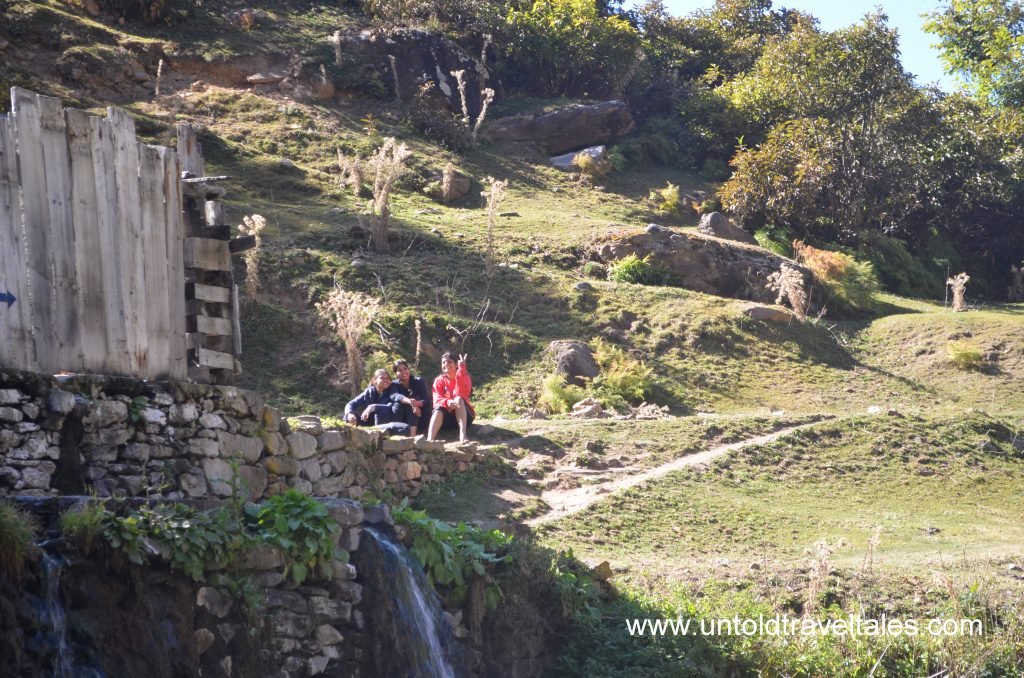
(460, 81)
(336, 41)
(493, 195)
(869, 555)
(394, 75)
(958, 283)
(486, 97)
(790, 284)
(817, 578)
(349, 314)
(388, 165)
(252, 225)
(418, 324)
(159, 76)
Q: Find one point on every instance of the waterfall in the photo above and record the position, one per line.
(409, 614)
(53, 618)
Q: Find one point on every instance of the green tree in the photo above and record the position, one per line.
(983, 42)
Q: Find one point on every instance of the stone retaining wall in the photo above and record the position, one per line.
(116, 436)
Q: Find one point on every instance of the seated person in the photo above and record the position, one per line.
(451, 398)
(373, 407)
(414, 394)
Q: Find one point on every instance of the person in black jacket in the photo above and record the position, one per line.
(373, 407)
(414, 393)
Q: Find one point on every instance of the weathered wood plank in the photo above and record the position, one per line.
(208, 325)
(63, 279)
(88, 258)
(189, 150)
(16, 346)
(204, 253)
(174, 234)
(221, 295)
(126, 177)
(154, 242)
(242, 243)
(108, 219)
(236, 325)
(216, 359)
(35, 217)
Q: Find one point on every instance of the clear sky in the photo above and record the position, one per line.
(918, 56)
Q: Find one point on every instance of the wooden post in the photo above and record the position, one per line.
(16, 345)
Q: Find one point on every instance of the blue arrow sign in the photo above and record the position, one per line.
(8, 297)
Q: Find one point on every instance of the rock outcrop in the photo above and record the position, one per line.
(718, 225)
(568, 128)
(702, 263)
(574, 360)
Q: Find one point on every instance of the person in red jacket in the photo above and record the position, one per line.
(451, 398)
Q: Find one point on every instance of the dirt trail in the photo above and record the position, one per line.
(567, 502)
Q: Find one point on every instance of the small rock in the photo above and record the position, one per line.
(583, 286)
(655, 228)
(204, 640)
(286, 164)
(216, 603)
(603, 572)
(264, 78)
(1013, 567)
(768, 314)
(874, 409)
(508, 214)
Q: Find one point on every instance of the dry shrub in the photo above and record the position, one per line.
(252, 225)
(852, 284)
(486, 97)
(387, 165)
(447, 182)
(959, 285)
(18, 532)
(351, 173)
(591, 168)
(790, 284)
(349, 314)
(494, 195)
(817, 578)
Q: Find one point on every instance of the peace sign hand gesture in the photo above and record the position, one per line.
(462, 359)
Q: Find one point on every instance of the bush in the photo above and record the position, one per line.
(622, 380)
(715, 170)
(667, 200)
(965, 356)
(558, 397)
(17, 536)
(633, 269)
(775, 240)
(901, 272)
(595, 269)
(590, 167)
(851, 284)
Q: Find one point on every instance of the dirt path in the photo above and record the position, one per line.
(567, 502)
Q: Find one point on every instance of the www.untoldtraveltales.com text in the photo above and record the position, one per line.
(789, 626)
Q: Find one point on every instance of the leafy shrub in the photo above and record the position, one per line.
(595, 269)
(633, 269)
(622, 379)
(851, 284)
(667, 200)
(711, 204)
(302, 528)
(590, 167)
(965, 356)
(451, 555)
(715, 170)
(17, 535)
(558, 397)
(900, 271)
(618, 159)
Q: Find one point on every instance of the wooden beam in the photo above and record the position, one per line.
(208, 325)
(220, 295)
(216, 359)
(242, 243)
(206, 253)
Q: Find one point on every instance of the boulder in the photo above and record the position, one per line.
(718, 225)
(768, 314)
(567, 128)
(701, 263)
(574, 360)
(418, 56)
(461, 185)
(588, 408)
(564, 162)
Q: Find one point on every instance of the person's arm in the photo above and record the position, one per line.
(422, 392)
(463, 382)
(355, 406)
(439, 398)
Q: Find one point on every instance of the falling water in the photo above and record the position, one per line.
(418, 625)
(53, 617)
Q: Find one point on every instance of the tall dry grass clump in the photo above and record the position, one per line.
(791, 287)
(494, 194)
(851, 284)
(350, 170)
(388, 165)
(447, 183)
(252, 225)
(18, 532)
(958, 284)
(591, 168)
(817, 578)
(349, 314)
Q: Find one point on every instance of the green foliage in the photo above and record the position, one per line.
(775, 239)
(302, 528)
(965, 356)
(148, 11)
(622, 379)
(558, 397)
(451, 555)
(901, 272)
(17, 535)
(715, 169)
(578, 594)
(595, 269)
(983, 41)
(667, 200)
(565, 48)
(633, 269)
(618, 159)
(83, 523)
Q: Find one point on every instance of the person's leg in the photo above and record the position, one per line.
(460, 416)
(404, 413)
(436, 419)
(383, 415)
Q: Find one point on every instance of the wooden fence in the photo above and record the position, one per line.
(92, 272)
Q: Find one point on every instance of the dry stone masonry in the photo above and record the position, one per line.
(125, 437)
